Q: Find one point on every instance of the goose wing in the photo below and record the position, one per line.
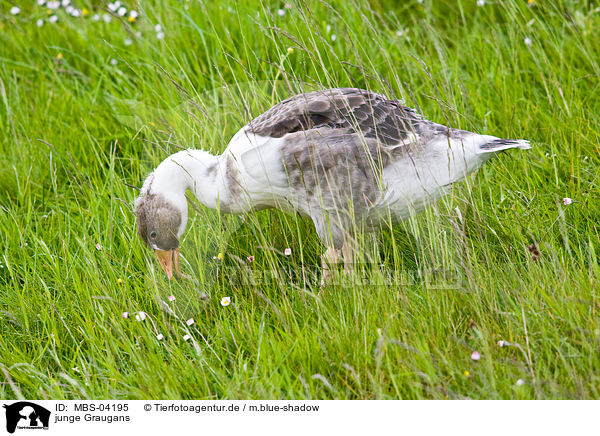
(343, 110)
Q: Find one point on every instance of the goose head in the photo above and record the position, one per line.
(161, 221)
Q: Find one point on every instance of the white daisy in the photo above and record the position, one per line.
(528, 41)
(158, 28)
(39, 22)
(96, 17)
(281, 12)
(106, 18)
(15, 10)
(122, 11)
(160, 35)
(225, 301)
(159, 336)
(114, 62)
(65, 3)
(53, 5)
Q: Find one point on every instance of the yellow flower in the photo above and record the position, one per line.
(290, 50)
(131, 19)
(220, 256)
(119, 281)
(467, 373)
(85, 12)
(59, 56)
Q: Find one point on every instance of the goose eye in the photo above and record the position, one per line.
(153, 235)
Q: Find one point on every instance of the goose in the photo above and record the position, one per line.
(348, 159)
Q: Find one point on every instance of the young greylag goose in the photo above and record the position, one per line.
(346, 158)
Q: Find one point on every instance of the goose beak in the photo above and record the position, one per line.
(169, 260)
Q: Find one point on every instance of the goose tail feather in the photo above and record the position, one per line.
(503, 144)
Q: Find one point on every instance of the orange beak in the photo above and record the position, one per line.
(169, 260)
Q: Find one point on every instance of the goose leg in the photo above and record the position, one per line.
(328, 260)
(348, 254)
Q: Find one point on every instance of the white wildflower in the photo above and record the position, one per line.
(225, 301)
(281, 12)
(15, 10)
(160, 35)
(527, 41)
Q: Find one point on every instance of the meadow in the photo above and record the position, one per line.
(492, 293)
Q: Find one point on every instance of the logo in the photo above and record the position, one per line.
(26, 415)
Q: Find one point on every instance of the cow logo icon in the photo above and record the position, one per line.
(26, 415)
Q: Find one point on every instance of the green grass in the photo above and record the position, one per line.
(61, 299)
